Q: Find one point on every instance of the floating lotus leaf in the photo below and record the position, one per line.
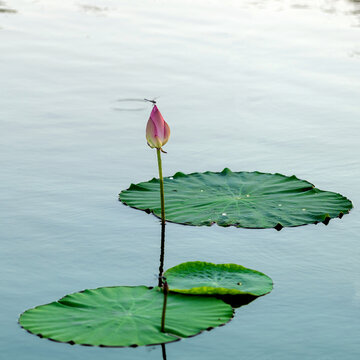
(124, 316)
(241, 199)
(204, 278)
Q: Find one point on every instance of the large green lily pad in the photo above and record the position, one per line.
(241, 199)
(204, 278)
(124, 316)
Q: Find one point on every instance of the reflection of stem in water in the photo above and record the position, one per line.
(163, 350)
(162, 252)
(165, 290)
(162, 200)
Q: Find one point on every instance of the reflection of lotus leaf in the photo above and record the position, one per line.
(124, 316)
(203, 278)
(241, 199)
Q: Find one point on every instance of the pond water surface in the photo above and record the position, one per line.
(270, 85)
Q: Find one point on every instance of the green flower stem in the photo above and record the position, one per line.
(165, 290)
(162, 199)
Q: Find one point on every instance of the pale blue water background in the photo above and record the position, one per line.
(272, 86)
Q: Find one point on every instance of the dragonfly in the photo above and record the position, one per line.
(152, 101)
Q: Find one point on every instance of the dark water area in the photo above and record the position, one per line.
(272, 86)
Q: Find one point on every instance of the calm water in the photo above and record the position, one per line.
(272, 86)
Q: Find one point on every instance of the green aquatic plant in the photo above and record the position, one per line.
(204, 278)
(241, 199)
(193, 296)
(124, 316)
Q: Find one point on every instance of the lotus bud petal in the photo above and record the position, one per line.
(157, 130)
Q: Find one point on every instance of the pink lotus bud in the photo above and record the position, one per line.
(157, 130)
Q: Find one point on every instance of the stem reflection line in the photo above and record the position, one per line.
(162, 254)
